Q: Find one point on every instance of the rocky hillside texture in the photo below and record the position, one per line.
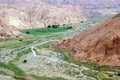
(99, 44)
(25, 14)
(8, 31)
(91, 8)
(88, 3)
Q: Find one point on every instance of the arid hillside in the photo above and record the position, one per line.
(99, 44)
(26, 14)
(36, 14)
(8, 31)
(91, 8)
(88, 3)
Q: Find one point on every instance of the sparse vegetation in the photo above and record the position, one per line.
(118, 74)
(49, 26)
(17, 71)
(25, 61)
(45, 78)
(68, 56)
(14, 43)
(55, 26)
(27, 32)
(20, 40)
(46, 45)
(97, 75)
(21, 53)
(69, 27)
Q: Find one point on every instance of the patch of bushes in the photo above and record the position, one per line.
(118, 74)
(25, 61)
(55, 26)
(27, 32)
(69, 27)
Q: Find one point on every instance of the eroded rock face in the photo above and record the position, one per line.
(99, 44)
(7, 30)
(91, 9)
(88, 3)
(37, 14)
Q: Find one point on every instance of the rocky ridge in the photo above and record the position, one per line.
(99, 44)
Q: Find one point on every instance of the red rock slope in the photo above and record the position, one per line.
(8, 31)
(100, 44)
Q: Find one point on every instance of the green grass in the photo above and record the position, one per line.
(38, 32)
(46, 45)
(20, 54)
(66, 55)
(43, 31)
(90, 73)
(13, 43)
(107, 79)
(100, 75)
(45, 78)
(10, 66)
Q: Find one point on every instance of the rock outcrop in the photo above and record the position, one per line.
(7, 30)
(99, 44)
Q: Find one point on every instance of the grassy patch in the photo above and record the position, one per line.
(17, 71)
(66, 55)
(20, 54)
(106, 79)
(99, 75)
(45, 78)
(90, 73)
(43, 31)
(46, 45)
(11, 66)
(13, 43)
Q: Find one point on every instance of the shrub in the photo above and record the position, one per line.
(82, 22)
(27, 32)
(25, 61)
(55, 26)
(69, 27)
(118, 74)
(49, 26)
(110, 75)
(63, 24)
(20, 40)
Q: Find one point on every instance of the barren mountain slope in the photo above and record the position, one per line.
(8, 31)
(38, 14)
(99, 44)
(91, 8)
(88, 3)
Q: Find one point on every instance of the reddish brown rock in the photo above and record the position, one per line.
(99, 44)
